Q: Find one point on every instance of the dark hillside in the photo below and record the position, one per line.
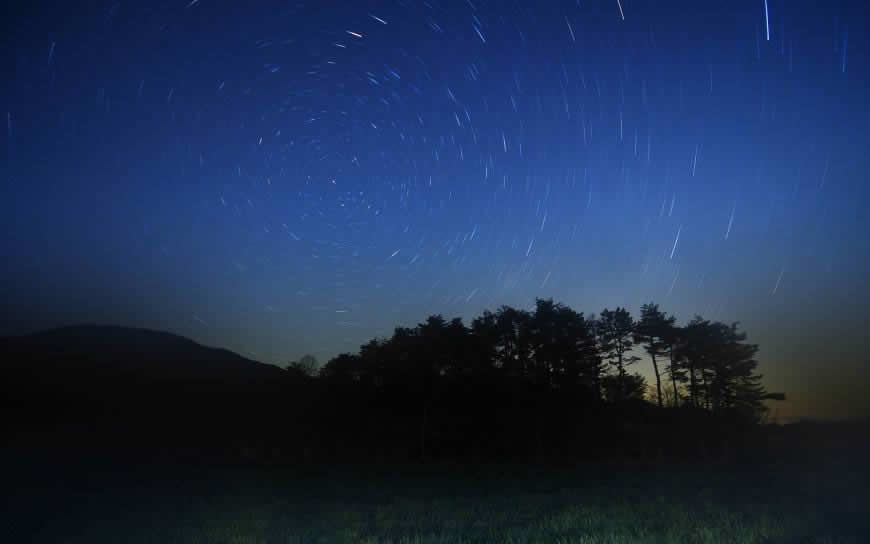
(98, 387)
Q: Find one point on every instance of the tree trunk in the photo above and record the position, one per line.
(674, 379)
(621, 369)
(658, 380)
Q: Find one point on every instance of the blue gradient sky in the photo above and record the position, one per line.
(280, 178)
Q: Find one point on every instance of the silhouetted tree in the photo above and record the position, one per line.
(653, 331)
(732, 382)
(615, 339)
(630, 387)
(307, 365)
(513, 340)
(564, 348)
(673, 339)
(694, 348)
(547, 333)
(514, 381)
(484, 330)
(345, 367)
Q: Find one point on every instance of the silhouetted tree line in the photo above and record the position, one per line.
(515, 385)
(551, 381)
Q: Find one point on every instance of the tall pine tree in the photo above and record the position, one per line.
(615, 340)
(653, 331)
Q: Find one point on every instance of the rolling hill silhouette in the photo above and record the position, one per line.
(116, 384)
(109, 349)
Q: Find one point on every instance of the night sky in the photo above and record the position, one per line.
(282, 178)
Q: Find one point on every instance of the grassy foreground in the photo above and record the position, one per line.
(511, 505)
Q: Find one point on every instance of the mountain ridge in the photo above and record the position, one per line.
(125, 348)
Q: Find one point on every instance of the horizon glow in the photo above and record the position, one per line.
(287, 179)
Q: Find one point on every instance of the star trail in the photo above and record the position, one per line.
(282, 178)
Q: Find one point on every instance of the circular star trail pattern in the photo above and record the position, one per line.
(282, 178)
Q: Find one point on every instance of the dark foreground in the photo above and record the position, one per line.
(91, 500)
(125, 435)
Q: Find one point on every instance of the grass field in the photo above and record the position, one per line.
(499, 504)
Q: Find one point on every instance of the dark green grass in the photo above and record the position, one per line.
(591, 505)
